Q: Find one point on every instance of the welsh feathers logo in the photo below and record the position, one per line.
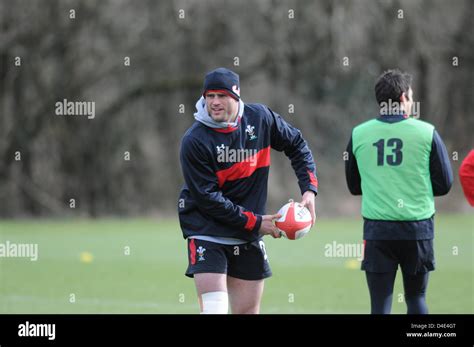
(200, 251)
(250, 130)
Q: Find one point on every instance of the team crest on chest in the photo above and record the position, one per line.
(250, 130)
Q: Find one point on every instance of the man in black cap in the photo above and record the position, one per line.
(225, 159)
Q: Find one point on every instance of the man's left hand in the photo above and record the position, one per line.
(308, 202)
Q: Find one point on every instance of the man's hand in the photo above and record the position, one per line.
(308, 202)
(268, 227)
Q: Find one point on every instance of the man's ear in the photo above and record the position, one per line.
(406, 96)
(403, 97)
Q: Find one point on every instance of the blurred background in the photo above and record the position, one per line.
(289, 63)
(119, 248)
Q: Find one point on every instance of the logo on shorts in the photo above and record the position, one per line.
(200, 251)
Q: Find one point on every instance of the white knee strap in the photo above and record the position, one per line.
(215, 303)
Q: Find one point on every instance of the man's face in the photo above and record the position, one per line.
(407, 101)
(221, 107)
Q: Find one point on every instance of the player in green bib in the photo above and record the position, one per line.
(398, 164)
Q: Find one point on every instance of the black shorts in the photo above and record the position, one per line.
(413, 256)
(247, 261)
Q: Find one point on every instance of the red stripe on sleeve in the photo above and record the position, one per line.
(252, 219)
(312, 179)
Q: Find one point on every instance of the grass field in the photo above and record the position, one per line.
(87, 258)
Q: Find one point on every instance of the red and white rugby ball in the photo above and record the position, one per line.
(295, 221)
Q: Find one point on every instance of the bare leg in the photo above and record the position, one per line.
(244, 296)
(209, 282)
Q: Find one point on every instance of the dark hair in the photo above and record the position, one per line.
(391, 84)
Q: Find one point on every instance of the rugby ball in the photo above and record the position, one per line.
(295, 221)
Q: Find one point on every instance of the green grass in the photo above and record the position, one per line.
(151, 279)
